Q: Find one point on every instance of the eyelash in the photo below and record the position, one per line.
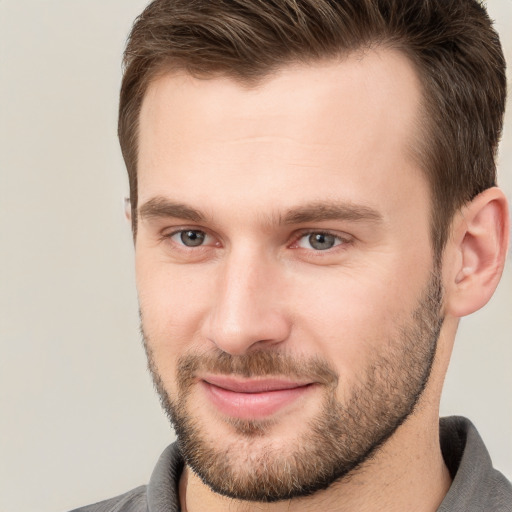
(340, 240)
(169, 236)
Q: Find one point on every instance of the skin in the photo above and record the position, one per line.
(332, 133)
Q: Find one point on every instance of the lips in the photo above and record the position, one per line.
(252, 398)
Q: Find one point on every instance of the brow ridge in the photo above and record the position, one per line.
(160, 207)
(322, 210)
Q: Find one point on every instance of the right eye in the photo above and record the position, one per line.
(190, 237)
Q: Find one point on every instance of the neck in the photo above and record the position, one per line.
(407, 473)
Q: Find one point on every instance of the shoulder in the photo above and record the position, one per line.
(131, 501)
(476, 485)
(500, 493)
(160, 494)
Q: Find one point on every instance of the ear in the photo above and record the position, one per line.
(127, 209)
(476, 252)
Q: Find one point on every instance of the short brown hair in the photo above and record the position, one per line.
(452, 44)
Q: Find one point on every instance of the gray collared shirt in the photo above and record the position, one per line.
(476, 486)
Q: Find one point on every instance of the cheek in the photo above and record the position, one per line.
(173, 302)
(353, 319)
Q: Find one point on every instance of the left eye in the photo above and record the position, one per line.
(190, 237)
(319, 241)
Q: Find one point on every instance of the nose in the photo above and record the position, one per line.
(248, 310)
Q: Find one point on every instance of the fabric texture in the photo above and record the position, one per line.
(476, 486)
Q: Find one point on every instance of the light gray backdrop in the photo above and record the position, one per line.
(78, 417)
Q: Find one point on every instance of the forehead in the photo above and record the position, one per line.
(347, 123)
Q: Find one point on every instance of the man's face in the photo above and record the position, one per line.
(289, 299)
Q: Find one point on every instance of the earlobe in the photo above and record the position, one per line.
(479, 246)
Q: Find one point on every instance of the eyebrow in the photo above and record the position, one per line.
(327, 210)
(161, 207)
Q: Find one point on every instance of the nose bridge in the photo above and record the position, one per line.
(247, 310)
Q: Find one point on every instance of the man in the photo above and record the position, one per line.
(314, 208)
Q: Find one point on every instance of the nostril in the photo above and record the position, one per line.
(248, 334)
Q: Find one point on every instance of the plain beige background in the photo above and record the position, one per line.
(79, 421)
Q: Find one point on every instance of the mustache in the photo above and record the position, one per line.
(262, 363)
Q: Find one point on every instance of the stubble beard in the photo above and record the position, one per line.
(249, 466)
